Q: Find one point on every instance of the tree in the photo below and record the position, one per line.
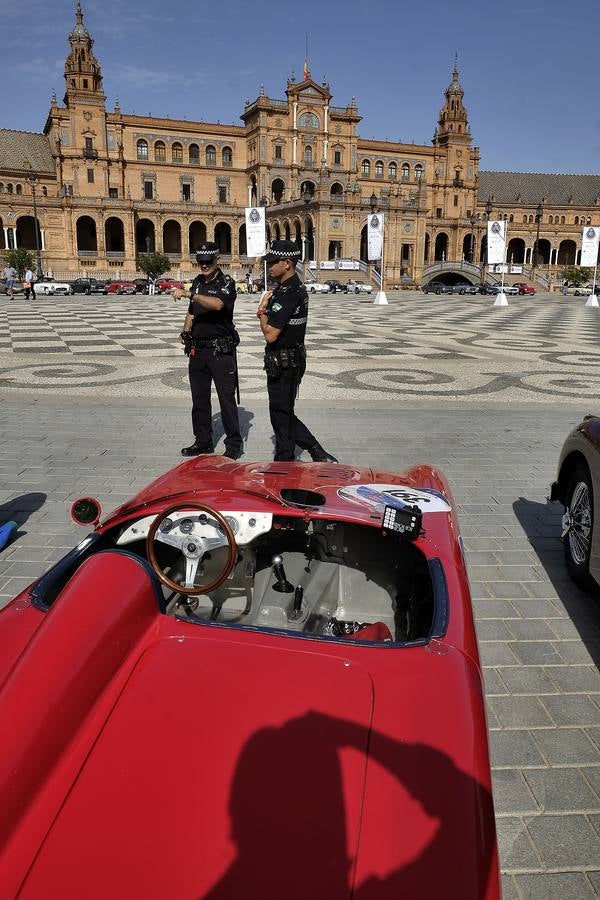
(576, 275)
(20, 259)
(154, 264)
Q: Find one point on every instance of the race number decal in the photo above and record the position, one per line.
(381, 495)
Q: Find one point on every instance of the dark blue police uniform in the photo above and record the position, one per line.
(212, 358)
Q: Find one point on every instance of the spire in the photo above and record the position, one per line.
(453, 123)
(82, 70)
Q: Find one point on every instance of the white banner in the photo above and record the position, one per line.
(348, 264)
(255, 231)
(496, 238)
(374, 236)
(327, 264)
(589, 246)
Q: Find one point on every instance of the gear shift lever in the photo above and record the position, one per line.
(282, 585)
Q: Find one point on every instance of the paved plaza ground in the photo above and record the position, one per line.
(94, 400)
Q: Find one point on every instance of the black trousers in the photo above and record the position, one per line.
(204, 368)
(288, 429)
(27, 290)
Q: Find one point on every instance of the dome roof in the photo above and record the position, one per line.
(455, 86)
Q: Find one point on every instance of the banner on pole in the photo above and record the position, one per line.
(589, 246)
(374, 236)
(496, 239)
(255, 231)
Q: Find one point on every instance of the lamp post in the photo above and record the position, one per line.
(307, 196)
(488, 212)
(473, 223)
(538, 218)
(380, 296)
(31, 178)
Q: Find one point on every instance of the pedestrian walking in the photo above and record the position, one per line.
(283, 314)
(210, 341)
(29, 284)
(9, 276)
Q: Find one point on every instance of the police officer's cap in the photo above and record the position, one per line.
(207, 251)
(282, 250)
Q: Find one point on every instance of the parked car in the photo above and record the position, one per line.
(358, 287)
(510, 289)
(47, 285)
(580, 290)
(89, 286)
(162, 285)
(437, 287)
(577, 487)
(141, 285)
(121, 287)
(17, 287)
(524, 288)
(241, 287)
(245, 657)
(335, 286)
(316, 287)
(44, 289)
(484, 288)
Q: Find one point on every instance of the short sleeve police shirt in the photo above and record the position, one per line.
(212, 323)
(287, 310)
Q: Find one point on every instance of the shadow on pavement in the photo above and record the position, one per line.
(19, 509)
(541, 522)
(245, 416)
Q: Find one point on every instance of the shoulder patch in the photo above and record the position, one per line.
(276, 307)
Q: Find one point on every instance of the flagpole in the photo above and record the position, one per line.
(380, 296)
(501, 296)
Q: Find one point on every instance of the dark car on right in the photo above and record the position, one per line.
(335, 286)
(89, 286)
(438, 287)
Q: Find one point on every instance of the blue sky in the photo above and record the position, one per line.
(529, 69)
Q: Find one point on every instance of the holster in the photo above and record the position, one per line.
(285, 358)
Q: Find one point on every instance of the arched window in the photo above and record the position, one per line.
(19, 189)
(524, 220)
(227, 156)
(211, 156)
(1, 187)
(308, 155)
(405, 172)
(392, 170)
(142, 149)
(562, 220)
(44, 191)
(589, 220)
(418, 172)
(531, 220)
(379, 169)
(177, 153)
(576, 222)
(160, 151)
(9, 188)
(308, 120)
(194, 152)
(511, 218)
(366, 167)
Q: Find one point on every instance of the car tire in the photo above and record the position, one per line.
(462, 291)
(118, 291)
(438, 292)
(578, 526)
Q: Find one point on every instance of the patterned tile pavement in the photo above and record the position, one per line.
(63, 435)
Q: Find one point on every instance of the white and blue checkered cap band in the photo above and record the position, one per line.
(284, 254)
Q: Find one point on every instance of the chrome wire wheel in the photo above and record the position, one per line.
(577, 524)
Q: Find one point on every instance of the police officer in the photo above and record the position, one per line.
(282, 315)
(210, 340)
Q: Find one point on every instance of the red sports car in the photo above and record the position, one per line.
(255, 680)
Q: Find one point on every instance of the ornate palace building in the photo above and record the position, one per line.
(108, 186)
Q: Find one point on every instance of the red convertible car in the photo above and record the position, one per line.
(256, 680)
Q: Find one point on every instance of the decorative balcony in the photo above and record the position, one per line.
(90, 153)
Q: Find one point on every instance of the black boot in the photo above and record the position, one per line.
(320, 455)
(195, 449)
(233, 453)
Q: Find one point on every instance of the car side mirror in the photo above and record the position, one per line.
(86, 511)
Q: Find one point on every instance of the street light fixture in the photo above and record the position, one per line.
(308, 197)
(473, 223)
(488, 212)
(538, 218)
(32, 179)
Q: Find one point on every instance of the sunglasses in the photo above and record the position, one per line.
(206, 263)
